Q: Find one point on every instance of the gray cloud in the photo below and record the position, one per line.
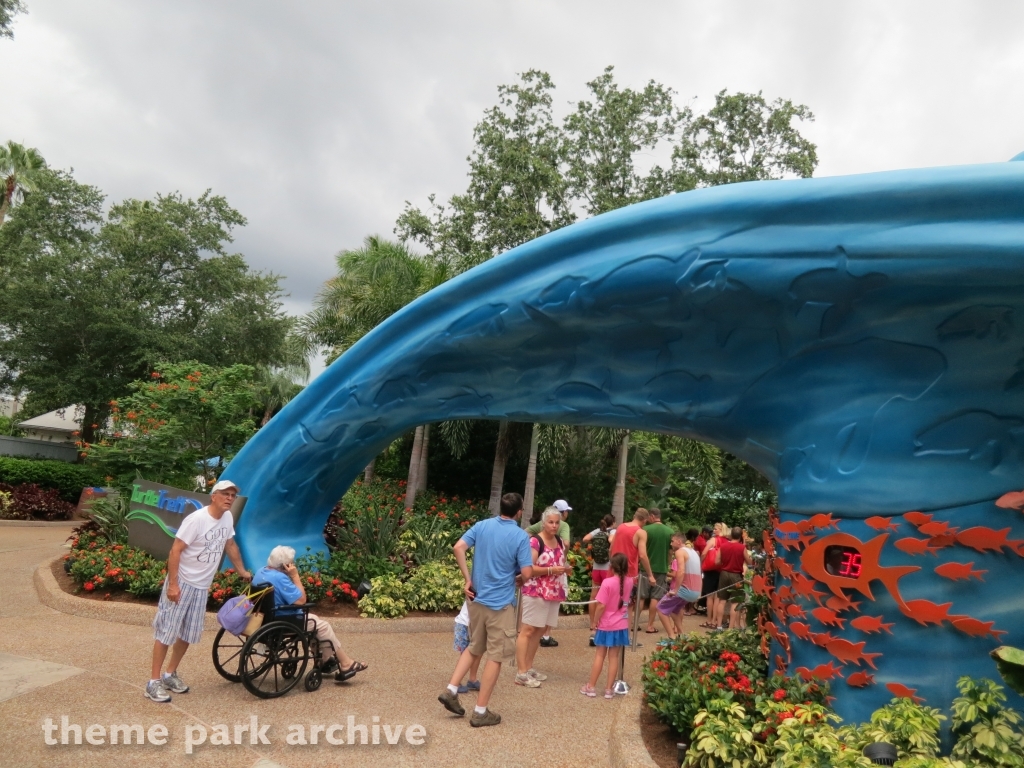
(317, 120)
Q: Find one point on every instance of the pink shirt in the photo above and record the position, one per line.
(551, 588)
(616, 615)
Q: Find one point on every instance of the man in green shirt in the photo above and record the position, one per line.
(659, 541)
(547, 641)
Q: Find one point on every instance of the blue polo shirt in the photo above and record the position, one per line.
(285, 591)
(500, 550)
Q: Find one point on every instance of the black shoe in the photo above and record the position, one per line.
(592, 643)
(330, 666)
(548, 642)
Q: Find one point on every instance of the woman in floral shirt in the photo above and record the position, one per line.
(542, 595)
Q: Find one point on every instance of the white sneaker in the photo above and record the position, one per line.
(527, 681)
(173, 683)
(537, 675)
(155, 690)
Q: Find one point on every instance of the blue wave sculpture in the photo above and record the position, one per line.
(857, 339)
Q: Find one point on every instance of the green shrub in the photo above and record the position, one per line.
(104, 566)
(67, 479)
(436, 586)
(910, 727)
(988, 732)
(111, 515)
(388, 598)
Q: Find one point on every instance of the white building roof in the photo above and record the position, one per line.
(67, 420)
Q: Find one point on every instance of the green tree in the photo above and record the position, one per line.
(20, 169)
(87, 306)
(604, 137)
(744, 138)
(8, 10)
(175, 421)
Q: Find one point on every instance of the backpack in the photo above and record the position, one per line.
(540, 542)
(600, 547)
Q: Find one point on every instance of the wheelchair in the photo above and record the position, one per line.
(273, 659)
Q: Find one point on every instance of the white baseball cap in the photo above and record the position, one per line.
(562, 506)
(223, 485)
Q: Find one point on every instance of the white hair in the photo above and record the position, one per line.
(549, 512)
(280, 556)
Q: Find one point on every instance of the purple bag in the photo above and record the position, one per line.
(235, 613)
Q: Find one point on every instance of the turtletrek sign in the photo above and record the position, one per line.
(156, 511)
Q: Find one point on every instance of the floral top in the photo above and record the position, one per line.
(547, 587)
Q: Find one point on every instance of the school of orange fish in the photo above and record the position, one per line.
(804, 536)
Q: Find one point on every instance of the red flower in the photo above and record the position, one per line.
(89, 586)
(779, 695)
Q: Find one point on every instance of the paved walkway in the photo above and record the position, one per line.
(93, 672)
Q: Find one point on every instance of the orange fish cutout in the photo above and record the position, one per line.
(846, 651)
(871, 624)
(781, 664)
(822, 672)
(759, 585)
(901, 691)
(986, 539)
(805, 526)
(766, 542)
(823, 521)
(840, 604)
(794, 611)
(821, 639)
(789, 527)
(914, 546)
(860, 679)
(936, 528)
(958, 571)
(801, 630)
(975, 628)
(812, 561)
(917, 518)
(1011, 500)
(780, 637)
(805, 588)
(882, 523)
(784, 568)
(926, 612)
(941, 542)
(827, 617)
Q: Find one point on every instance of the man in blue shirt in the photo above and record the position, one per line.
(501, 552)
(281, 573)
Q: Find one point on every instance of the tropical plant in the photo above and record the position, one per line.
(436, 586)
(111, 515)
(20, 167)
(388, 598)
(988, 732)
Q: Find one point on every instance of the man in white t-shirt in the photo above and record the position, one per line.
(204, 537)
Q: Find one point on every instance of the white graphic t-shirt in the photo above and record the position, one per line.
(205, 538)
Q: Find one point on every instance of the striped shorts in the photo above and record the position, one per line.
(183, 619)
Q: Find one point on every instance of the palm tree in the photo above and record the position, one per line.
(531, 477)
(20, 169)
(277, 387)
(501, 452)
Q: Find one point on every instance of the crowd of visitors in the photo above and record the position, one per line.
(683, 574)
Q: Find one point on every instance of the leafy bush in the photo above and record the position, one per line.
(67, 479)
(911, 728)
(30, 502)
(436, 586)
(225, 585)
(111, 515)
(988, 732)
(116, 567)
(388, 598)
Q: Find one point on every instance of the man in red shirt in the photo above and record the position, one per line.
(733, 556)
(631, 540)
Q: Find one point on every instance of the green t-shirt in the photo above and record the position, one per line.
(563, 530)
(659, 537)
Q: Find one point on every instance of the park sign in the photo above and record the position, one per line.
(155, 512)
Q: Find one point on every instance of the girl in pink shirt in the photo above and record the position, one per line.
(612, 617)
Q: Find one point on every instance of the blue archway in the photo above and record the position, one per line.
(857, 339)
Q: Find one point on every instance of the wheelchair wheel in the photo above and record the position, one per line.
(313, 679)
(274, 660)
(227, 655)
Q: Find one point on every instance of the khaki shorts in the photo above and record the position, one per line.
(538, 612)
(730, 579)
(492, 633)
(647, 592)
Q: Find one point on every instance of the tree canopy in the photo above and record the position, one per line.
(91, 302)
(8, 10)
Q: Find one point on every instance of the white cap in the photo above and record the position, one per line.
(223, 485)
(562, 506)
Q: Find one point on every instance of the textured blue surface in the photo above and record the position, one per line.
(858, 339)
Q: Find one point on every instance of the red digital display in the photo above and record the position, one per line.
(843, 561)
(850, 565)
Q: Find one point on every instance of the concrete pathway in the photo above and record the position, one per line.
(92, 672)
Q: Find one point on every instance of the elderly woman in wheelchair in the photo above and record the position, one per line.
(281, 573)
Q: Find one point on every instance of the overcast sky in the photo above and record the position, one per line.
(319, 119)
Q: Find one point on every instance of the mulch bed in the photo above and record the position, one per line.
(659, 739)
(325, 610)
